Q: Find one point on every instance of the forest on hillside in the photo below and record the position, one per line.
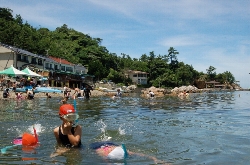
(79, 48)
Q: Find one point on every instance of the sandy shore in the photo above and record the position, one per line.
(94, 93)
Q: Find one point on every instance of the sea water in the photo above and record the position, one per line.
(205, 128)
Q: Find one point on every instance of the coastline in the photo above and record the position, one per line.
(98, 93)
(94, 93)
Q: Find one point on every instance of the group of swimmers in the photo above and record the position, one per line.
(77, 92)
(29, 94)
(68, 135)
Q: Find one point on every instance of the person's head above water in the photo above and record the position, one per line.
(66, 109)
(67, 112)
(110, 150)
(119, 152)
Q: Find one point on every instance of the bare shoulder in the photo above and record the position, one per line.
(56, 130)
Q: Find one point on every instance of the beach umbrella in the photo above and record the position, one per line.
(11, 71)
(31, 73)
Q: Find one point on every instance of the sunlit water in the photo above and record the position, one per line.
(206, 128)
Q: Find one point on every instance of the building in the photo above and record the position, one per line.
(137, 77)
(56, 72)
(214, 84)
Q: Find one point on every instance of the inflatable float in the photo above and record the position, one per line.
(27, 139)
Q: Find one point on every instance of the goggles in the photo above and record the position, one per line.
(71, 117)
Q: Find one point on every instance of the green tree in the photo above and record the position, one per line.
(172, 55)
(225, 77)
(80, 48)
(211, 73)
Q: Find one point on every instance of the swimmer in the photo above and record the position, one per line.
(64, 100)
(86, 92)
(77, 92)
(19, 96)
(118, 94)
(110, 150)
(6, 93)
(48, 96)
(183, 94)
(65, 91)
(29, 96)
(151, 94)
(67, 135)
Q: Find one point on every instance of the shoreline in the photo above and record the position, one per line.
(98, 93)
(94, 93)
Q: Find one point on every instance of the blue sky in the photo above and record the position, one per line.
(204, 32)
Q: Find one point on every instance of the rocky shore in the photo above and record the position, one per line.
(159, 92)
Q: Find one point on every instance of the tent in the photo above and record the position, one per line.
(11, 71)
(31, 73)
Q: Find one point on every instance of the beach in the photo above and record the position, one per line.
(94, 93)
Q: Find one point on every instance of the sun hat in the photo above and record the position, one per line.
(66, 109)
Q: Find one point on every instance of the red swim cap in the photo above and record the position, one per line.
(28, 139)
(65, 109)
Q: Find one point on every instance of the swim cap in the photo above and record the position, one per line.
(28, 139)
(117, 153)
(65, 109)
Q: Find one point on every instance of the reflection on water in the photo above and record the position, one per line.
(205, 128)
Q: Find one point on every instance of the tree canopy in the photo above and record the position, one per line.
(79, 48)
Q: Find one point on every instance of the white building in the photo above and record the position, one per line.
(137, 77)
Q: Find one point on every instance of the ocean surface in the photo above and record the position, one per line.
(205, 128)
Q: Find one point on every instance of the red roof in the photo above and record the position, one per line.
(61, 61)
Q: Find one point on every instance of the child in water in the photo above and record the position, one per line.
(110, 150)
(67, 134)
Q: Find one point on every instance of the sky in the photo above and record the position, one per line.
(204, 32)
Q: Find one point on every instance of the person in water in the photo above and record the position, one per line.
(110, 150)
(29, 95)
(151, 94)
(48, 95)
(6, 93)
(183, 94)
(68, 134)
(86, 92)
(118, 93)
(19, 95)
(77, 92)
(64, 100)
